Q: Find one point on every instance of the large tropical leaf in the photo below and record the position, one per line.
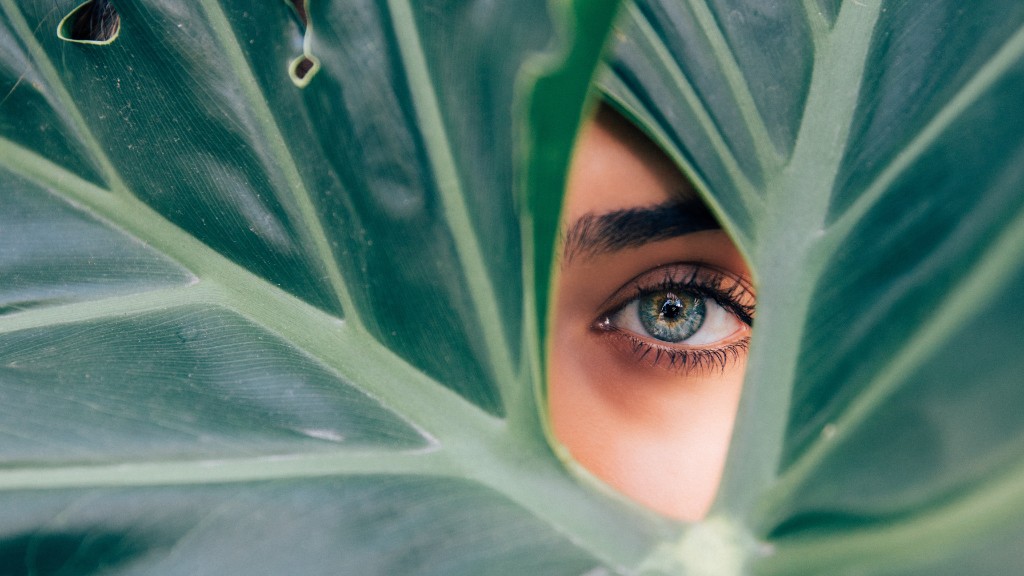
(255, 320)
(868, 157)
(261, 291)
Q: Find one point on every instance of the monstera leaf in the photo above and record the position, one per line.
(261, 291)
(273, 283)
(868, 157)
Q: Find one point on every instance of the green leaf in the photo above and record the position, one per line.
(867, 158)
(255, 323)
(258, 323)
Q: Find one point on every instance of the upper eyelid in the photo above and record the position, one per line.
(635, 287)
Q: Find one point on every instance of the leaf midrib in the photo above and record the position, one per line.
(976, 285)
(347, 351)
(795, 223)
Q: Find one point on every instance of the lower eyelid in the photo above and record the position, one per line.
(693, 360)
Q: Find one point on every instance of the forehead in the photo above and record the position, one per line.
(617, 167)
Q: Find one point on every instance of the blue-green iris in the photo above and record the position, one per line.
(669, 317)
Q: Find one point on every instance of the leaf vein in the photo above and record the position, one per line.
(974, 89)
(283, 158)
(979, 283)
(763, 148)
(445, 170)
(742, 184)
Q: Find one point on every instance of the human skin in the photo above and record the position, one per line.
(651, 418)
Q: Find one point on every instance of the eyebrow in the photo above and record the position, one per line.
(591, 235)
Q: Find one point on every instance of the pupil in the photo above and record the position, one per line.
(672, 307)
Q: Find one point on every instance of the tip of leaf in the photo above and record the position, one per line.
(92, 22)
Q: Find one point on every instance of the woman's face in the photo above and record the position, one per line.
(652, 319)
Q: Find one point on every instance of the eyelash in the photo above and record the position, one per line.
(729, 292)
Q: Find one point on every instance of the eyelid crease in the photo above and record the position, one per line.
(591, 235)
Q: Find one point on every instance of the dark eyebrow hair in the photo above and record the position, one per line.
(592, 234)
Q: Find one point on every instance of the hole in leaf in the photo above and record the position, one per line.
(302, 70)
(302, 67)
(94, 22)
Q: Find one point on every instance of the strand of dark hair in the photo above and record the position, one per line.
(97, 21)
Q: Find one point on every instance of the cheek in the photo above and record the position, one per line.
(657, 436)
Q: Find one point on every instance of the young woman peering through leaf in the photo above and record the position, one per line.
(652, 315)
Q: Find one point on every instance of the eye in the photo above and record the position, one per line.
(682, 316)
(676, 317)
